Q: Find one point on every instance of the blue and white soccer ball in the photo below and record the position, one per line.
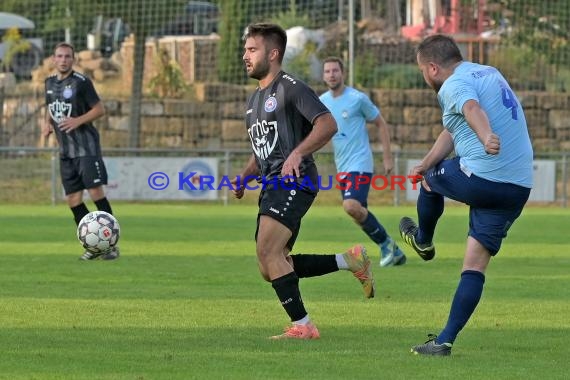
(98, 232)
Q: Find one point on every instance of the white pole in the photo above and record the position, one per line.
(351, 43)
(67, 29)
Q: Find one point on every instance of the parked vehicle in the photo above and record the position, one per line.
(197, 18)
(23, 62)
(107, 35)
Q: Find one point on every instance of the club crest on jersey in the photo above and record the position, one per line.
(263, 135)
(67, 92)
(59, 111)
(270, 104)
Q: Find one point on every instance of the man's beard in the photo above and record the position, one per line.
(260, 71)
(334, 87)
(436, 86)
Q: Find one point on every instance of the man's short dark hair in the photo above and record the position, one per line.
(334, 59)
(273, 33)
(439, 49)
(65, 45)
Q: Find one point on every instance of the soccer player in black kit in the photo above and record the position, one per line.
(72, 105)
(286, 123)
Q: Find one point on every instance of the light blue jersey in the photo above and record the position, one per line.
(488, 87)
(351, 110)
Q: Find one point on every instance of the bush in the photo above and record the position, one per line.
(368, 73)
(169, 81)
(523, 67)
(399, 76)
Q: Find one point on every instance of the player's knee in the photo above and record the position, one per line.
(263, 255)
(289, 259)
(96, 193)
(426, 186)
(353, 208)
(264, 275)
(74, 199)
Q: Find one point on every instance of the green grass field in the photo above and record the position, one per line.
(185, 300)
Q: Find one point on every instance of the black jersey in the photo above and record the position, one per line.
(278, 118)
(73, 97)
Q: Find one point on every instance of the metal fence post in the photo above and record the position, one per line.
(564, 180)
(2, 116)
(227, 156)
(397, 169)
(54, 176)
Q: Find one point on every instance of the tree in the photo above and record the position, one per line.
(230, 50)
(60, 16)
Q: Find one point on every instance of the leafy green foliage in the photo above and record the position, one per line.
(301, 64)
(59, 16)
(538, 40)
(369, 74)
(233, 22)
(169, 81)
(292, 17)
(399, 76)
(523, 67)
(14, 45)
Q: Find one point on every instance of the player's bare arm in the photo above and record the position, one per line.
(72, 123)
(250, 171)
(384, 135)
(46, 127)
(324, 129)
(478, 121)
(442, 148)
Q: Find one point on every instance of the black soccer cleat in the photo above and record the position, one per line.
(432, 348)
(112, 254)
(408, 231)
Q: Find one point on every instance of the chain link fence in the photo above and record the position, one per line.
(173, 82)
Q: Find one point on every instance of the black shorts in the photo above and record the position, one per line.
(82, 173)
(287, 207)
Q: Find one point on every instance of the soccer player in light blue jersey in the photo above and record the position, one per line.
(353, 156)
(491, 171)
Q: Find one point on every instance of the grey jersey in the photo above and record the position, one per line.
(278, 118)
(72, 97)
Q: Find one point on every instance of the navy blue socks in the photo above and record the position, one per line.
(372, 227)
(430, 207)
(465, 301)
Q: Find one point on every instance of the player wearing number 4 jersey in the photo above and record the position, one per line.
(491, 172)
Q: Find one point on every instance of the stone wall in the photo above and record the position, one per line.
(416, 118)
(215, 119)
(183, 49)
